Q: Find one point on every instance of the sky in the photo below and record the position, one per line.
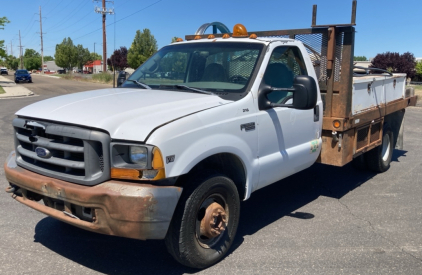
(381, 25)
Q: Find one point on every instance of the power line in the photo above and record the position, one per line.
(69, 14)
(120, 19)
(73, 25)
(56, 7)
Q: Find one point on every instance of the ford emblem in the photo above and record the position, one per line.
(42, 152)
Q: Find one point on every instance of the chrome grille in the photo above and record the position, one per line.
(75, 154)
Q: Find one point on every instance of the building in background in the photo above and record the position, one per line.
(93, 67)
(50, 66)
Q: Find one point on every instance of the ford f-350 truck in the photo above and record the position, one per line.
(199, 127)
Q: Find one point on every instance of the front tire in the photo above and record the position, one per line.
(205, 222)
(379, 158)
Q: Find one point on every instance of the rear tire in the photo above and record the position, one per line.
(184, 240)
(379, 158)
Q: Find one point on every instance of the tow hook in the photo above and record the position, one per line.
(11, 189)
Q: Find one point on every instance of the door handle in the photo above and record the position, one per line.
(316, 113)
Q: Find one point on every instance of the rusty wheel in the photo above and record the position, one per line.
(211, 222)
(205, 222)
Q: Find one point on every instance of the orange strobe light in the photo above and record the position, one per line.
(239, 31)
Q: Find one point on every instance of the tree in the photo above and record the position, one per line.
(66, 54)
(3, 21)
(83, 56)
(12, 62)
(395, 63)
(174, 39)
(419, 69)
(360, 58)
(31, 59)
(143, 47)
(48, 58)
(118, 59)
(96, 56)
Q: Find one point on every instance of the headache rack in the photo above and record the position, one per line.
(331, 49)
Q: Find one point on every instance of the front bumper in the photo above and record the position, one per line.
(27, 79)
(138, 211)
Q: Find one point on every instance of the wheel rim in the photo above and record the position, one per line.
(385, 147)
(212, 220)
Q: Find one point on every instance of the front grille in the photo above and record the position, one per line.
(74, 154)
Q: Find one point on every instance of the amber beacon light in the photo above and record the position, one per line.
(239, 31)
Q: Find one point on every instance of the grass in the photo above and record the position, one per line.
(418, 92)
(2, 90)
(104, 78)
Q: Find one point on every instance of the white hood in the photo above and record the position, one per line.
(127, 114)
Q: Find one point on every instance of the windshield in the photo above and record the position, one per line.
(21, 72)
(222, 68)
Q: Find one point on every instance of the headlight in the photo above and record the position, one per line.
(136, 162)
(139, 155)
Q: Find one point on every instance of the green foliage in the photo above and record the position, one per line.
(102, 77)
(419, 68)
(3, 21)
(48, 58)
(96, 56)
(31, 59)
(66, 54)
(174, 39)
(143, 47)
(12, 62)
(83, 56)
(360, 58)
(31, 53)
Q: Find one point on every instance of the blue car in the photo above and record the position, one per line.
(22, 75)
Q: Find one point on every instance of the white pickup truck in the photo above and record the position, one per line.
(199, 127)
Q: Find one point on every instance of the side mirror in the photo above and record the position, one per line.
(304, 91)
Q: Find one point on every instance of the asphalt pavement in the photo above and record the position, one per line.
(324, 220)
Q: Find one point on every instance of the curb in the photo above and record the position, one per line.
(12, 90)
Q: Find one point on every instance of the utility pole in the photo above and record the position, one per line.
(104, 11)
(42, 48)
(20, 51)
(11, 48)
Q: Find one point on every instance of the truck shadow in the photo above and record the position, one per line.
(115, 255)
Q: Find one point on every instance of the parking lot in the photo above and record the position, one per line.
(324, 220)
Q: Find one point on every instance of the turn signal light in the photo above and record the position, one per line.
(336, 124)
(253, 36)
(156, 173)
(197, 37)
(226, 35)
(211, 36)
(240, 31)
(179, 39)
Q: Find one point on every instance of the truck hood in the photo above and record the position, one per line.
(127, 114)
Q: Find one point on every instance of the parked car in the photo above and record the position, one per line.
(22, 75)
(63, 71)
(4, 71)
(122, 78)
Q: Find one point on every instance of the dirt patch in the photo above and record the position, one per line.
(418, 92)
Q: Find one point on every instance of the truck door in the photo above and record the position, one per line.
(288, 138)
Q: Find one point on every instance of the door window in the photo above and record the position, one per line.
(285, 64)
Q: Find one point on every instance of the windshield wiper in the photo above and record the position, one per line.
(194, 90)
(145, 86)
